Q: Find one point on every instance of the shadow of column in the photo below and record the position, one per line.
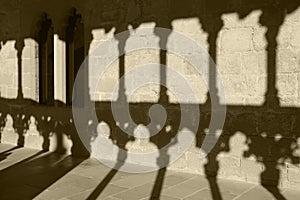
(158, 185)
(271, 185)
(75, 53)
(122, 155)
(117, 135)
(212, 25)
(77, 93)
(163, 137)
(45, 127)
(163, 40)
(20, 119)
(272, 18)
(46, 62)
(19, 46)
(121, 46)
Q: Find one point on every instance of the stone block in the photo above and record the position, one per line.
(9, 136)
(295, 39)
(30, 66)
(230, 167)
(259, 39)
(29, 52)
(12, 92)
(234, 85)
(33, 141)
(254, 63)
(6, 79)
(252, 85)
(287, 85)
(11, 66)
(284, 36)
(229, 63)
(60, 142)
(293, 173)
(3, 92)
(194, 163)
(236, 40)
(28, 81)
(287, 61)
(29, 93)
(180, 165)
(251, 169)
(107, 84)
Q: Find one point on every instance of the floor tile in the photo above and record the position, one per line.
(32, 174)
(291, 194)
(257, 193)
(186, 188)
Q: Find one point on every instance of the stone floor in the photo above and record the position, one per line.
(31, 174)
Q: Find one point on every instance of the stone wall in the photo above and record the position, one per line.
(258, 138)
